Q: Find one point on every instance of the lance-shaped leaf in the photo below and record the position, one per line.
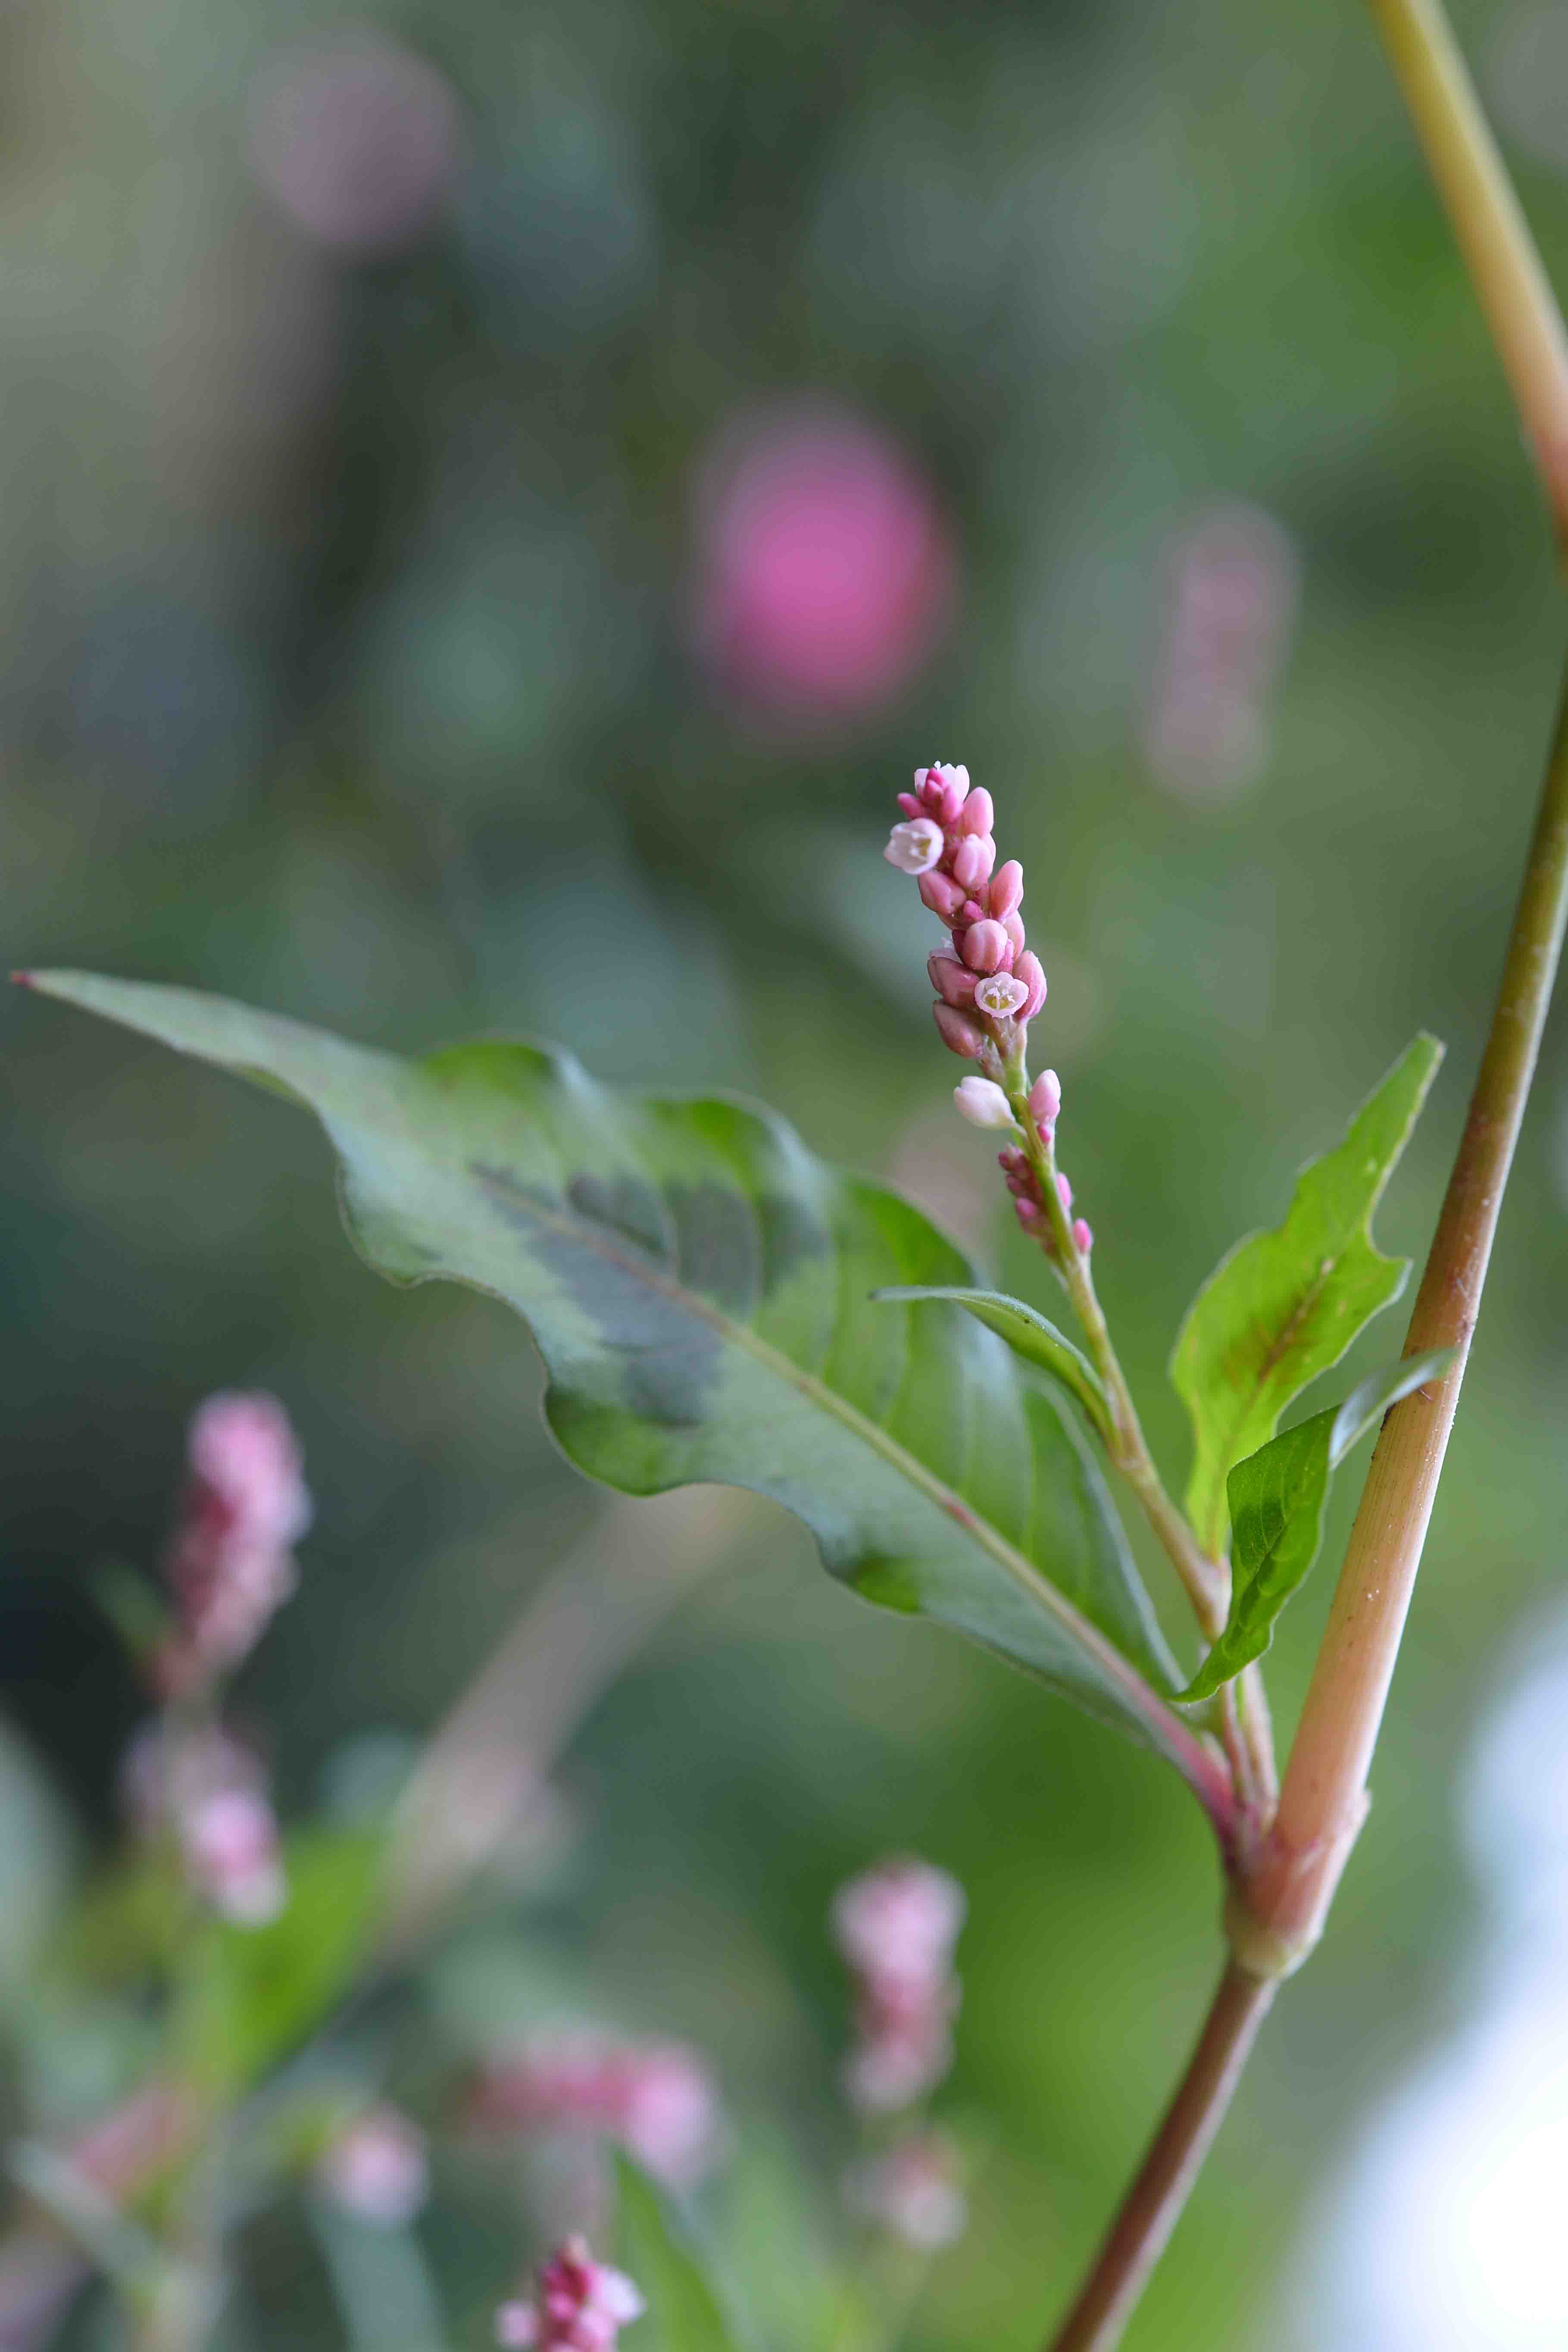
(684, 2314)
(1284, 1305)
(1030, 1335)
(1277, 1501)
(699, 1288)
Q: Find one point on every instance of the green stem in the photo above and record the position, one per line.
(1276, 1914)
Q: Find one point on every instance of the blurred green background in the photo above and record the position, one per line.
(362, 495)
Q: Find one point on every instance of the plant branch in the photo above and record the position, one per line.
(1322, 1800)
(1492, 233)
(1277, 1913)
(1153, 2203)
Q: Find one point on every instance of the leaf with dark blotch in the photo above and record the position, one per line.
(1031, 1336)
(1277, 1501)
(1285, 1304)
(699, 1286)
(684, 2312)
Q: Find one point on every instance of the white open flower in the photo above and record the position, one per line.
(915, 847)
(1001, 995)
(982, 1101)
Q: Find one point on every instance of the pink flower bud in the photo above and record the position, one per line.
(972, 911)
(912, 805)
(915, 847)
(982, 1103)
(1064, 1189)
(942, 787)
(1082, 1237)
(953, 981)
(377, 2168)
(972, 859)
(977, 815)
(1001, 996)
(986, 947)
(1006, 888)
(1045, 1095)
(958, 1032)
(1027, 1211)
(1014, 927)
(942, 894)
(1028, 968)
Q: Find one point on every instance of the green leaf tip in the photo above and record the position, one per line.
(1277, 1497)
(653, 2248)
(1285, 1304)
(1031, 1336)
(697, 1286)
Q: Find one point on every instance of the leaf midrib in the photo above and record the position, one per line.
(1141, 1695)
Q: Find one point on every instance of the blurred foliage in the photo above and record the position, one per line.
(347, 669)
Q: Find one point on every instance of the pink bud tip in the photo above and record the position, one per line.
(1027, 1213)
(915, 847)
(1045, 1094)
(972, 860)
(912, 804)
(1082, 1237)
(1006, 887)
(1064, 1189)
(942, 894)
(953, 981)
(1014, 927)
(986, 948)
(982, 1103)
(958, 1032)
(23, 980)
(941, 788)
(977, 815)
(1002, 997)
(1029, 970)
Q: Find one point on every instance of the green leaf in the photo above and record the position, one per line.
(683, 2315)
(1029, 1335)
(1276, 1500)
(1285, 1304)
(697, 1286)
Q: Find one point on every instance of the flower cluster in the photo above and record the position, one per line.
(581, 2305)
(210, 1791)
(230, 1561)
(377, 2168)
(988, 983)
(657, 2099)
(897, 1926)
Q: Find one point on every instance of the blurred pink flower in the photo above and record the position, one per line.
(897, 1926)
(581, 2306)
(210, 1791)
(1235, 588)
(914, 2192)
(356, 138)
(824, 573)
(377, 2168)
(658, 2099)
(244, 1505)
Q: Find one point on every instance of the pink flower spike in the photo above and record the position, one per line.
(1064, 1189)
(1082, 1237)
(942, 894)
(958, 1032)
(982, 1103)
(972, 860)
(953, 981)
(986, 948)
(977, 815)
(915, 847)
(1006, 888)
(1002, 997)
(1029, 970)
(1045, 1094)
